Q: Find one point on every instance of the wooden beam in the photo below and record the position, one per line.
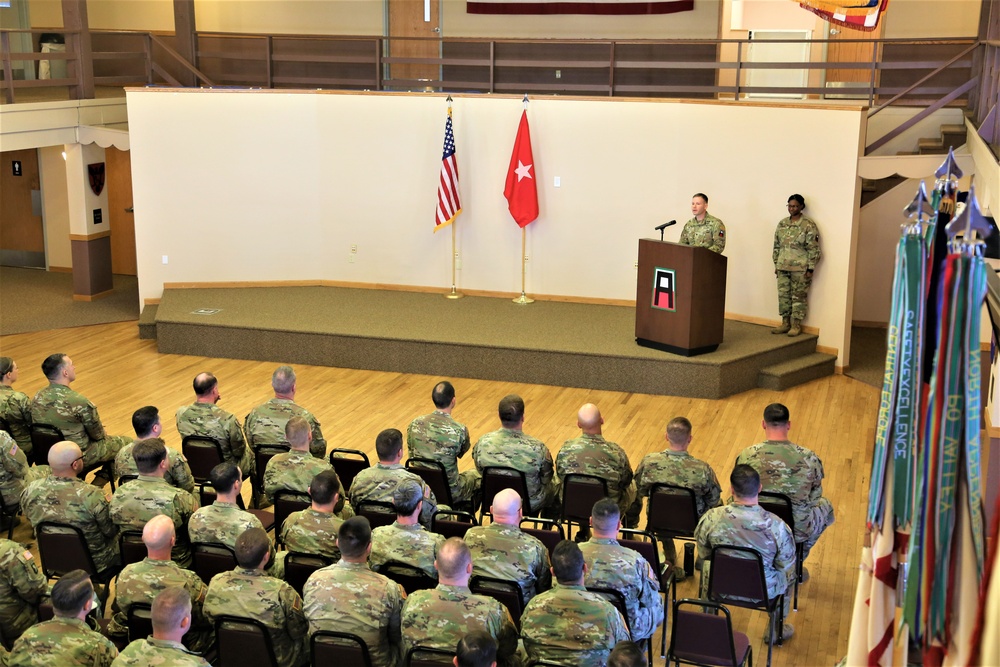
(184, 31)
(81, 69)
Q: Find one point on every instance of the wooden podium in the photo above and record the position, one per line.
(680, 298)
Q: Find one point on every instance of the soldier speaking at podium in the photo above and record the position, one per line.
(703, 230)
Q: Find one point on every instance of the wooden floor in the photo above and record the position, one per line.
(834, 416)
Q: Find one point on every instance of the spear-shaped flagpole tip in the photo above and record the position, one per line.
(970, 220)
(525, 101)
(448, 99)
(949, 168)
(917, 211)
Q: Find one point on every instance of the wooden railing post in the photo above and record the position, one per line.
(8, 71)
(147, 44)
(82, 69)
(269, 54)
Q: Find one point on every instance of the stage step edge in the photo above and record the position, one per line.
(147, 322)
(793, 372)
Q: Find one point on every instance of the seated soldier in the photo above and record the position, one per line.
(265, 424)
(140, 582)
(295, 469)
(349, 597)
(22, 586)
(476, 649)
(171, 617)
(146, 423)
(15, 474)
(627, 654)
(314, 529)
(205, 418)
(15, 406)
(249, 592)
(65, 639)
(138, 501)
(406, 540)
(377, 484)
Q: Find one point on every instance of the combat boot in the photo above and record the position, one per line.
(795, 329)
(785, 326)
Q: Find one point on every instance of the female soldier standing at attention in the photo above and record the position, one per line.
(796, 252)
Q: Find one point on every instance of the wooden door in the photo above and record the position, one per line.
(119, 174)
(22, 241)
(407, 20)
(839, 50)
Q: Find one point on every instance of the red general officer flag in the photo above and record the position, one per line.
(520, 191)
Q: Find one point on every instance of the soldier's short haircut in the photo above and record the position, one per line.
(745, 481)
(251, 546)
(206, 385)
(511, 410)
(776, 414)
(703, 196)
(388, 443)
(605, 514)
(297, 430)
(453, 557)
(626, 654)
(567, 562)
(6, 365)
(406, 496)
(283, 380)
(354, 536)
(442, 394)
(144, 419)
(799, 198)
(324, 487)
(53, 364)
(71, 592)
(476, 649)
(224, 476)
(678, 429)
(148, 454)
(170, 606)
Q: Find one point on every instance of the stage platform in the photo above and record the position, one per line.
(547, 342)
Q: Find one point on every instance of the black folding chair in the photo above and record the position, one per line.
(43, 436)
(347, 463)
(377, 513)
(63, 548)
(202, 453)
(550, 532)
(579, 494)
(299, 567)
(243, 641)
(131, 547)
(780, 505)
(210, 558)
(409, 577)
(9, 514)
(498, 478)
(506, 592)
(617, 600)
(286, 502)
(452, 523)
(140, 620)
(338, 648)
(434, 476)
(424, 656)
(700, 638)
(262, 455)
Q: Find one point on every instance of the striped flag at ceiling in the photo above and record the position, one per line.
(861, 15)
(449, 204)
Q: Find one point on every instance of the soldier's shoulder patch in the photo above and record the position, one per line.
(26, 556)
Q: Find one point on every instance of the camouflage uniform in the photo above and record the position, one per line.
(222, 523)
(15, 473)
(138, 501)
(507, 552)
(72, 501)
(312, 532)
(679, 469)
(749, 526)
(212, 421)
(797, 472)
(265, 425)
(593, 455)
(178, 471)
(253, 594)
(21, 589)
(78, 420)
(515, 449)
(377, 484)
(142, 581)
(412, 545)
(440, 617)
(158, 652)
(610, 565)
(293, 471)
(348, 597)
(66, 642)
(709, 233)
(15, 409)
(569, 625)
(439, 437)
(796, 251)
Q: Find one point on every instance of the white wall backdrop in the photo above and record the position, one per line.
(266, 185)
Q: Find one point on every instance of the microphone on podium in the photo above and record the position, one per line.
(660, 228)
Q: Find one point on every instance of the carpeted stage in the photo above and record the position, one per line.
(547, 342)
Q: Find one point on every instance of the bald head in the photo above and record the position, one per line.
(589, 419)
(62, 455)
(506, 507)
(454, 562)
(158, 536)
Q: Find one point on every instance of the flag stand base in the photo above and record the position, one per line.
(453, 294)
(523, 300)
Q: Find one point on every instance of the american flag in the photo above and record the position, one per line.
(449, 204)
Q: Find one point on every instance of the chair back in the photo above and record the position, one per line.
(299, 566)
(778, 504)
(498, 478)
(409, 577)
(203, 454)
(210, 558)
(424, 656)
(706, 638)
(434, 476)
(508, 593)
(43, 436)
(62, 548)
(338, 648)
(452, 523)
(131, 547)
(579, 493)
(286, 502)
(243, 641)
(550, 533)
(140, 620)
(262, 454)
(617, 600)
(124, 479)
(378, 513)
(644, 543)
(737, 577)
(347, 463)
(672, 509)
(5, 427)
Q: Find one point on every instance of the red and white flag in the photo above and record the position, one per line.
(449, 204)
(520, 190)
